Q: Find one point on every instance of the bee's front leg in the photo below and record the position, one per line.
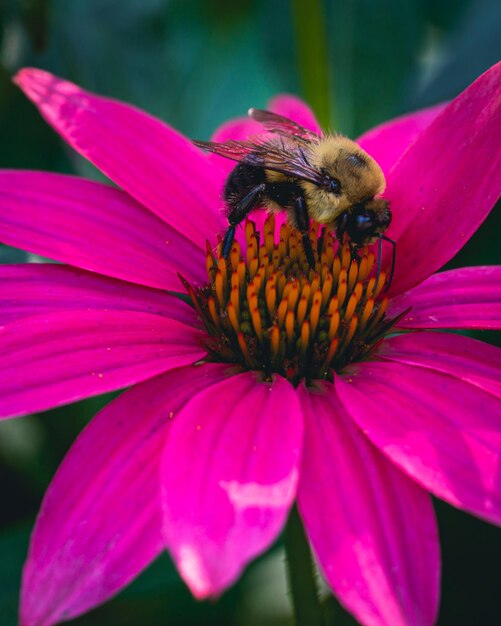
(303, 225)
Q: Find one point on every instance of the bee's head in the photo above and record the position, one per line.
(365, 222)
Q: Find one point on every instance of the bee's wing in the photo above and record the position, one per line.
(282, 125)
(276, 155)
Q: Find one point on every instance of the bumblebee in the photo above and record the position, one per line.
(327, 178)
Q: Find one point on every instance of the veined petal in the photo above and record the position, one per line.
(469, 297)
(100, 521)
(444, 432)
(444, 186)
(156, 165)
(372, 528)
(62, 357)
(35, 288)
(229, 475)
(387, 142)
(95, 227)
(470, 360)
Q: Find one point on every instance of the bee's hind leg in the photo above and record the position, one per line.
(239, 212)
(229, 236)
(303, 225)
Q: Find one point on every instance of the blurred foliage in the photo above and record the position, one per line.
(195, 64)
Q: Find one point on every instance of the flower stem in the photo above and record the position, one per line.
(312, 50)
(301, 574)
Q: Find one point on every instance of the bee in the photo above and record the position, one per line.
(327, 178)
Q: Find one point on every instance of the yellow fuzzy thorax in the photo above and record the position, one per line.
(340, 158)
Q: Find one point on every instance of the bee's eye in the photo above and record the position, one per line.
(364, 221)
(334, 186)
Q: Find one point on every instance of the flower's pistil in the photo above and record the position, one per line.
(270, 311)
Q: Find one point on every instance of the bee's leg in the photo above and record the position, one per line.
(229, 236)
(239, 212)
(303, 225)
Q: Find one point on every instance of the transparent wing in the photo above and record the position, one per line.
(282, 125)
(277, 154)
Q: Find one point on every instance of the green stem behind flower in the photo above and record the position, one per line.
(301, 574)
(312, 51)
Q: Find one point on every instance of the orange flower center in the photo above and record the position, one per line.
(269, 311)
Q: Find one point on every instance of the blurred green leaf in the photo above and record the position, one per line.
(313, 66)
(373, 46)
(460, 55)
(13, 548)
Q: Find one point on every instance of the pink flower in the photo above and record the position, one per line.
(203, 458)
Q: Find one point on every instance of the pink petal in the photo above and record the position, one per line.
(387, 142)
(473, 361)
(229, 475)
(61, 357)
(442, 431)
(151, 161)
(373, 529)
(95, 227)
(469, 297)
(444, 186)
(100, 521)
(238, 129)
(33, 289)
(295, 109)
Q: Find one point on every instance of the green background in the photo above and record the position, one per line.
(195, 64)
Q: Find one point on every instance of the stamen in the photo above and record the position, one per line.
(234, 299)
(271, 300)
(267, 309)
(366, 313)
(293, 296)
(342, 290)
(380, 284)
(221, 265)
(213, 312)
(301, 310)
(289, 325)
(232, 316)
(235, 280)
(220, 288)
(315, 311)
(244, 350)
(352, 274)
(334, 325)
(326, 289)
(350, 307)
(331, 352)
(256, 322)
(305, 336)
(274, 340)
(282, 310)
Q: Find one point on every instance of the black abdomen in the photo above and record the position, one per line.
(242, 179)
